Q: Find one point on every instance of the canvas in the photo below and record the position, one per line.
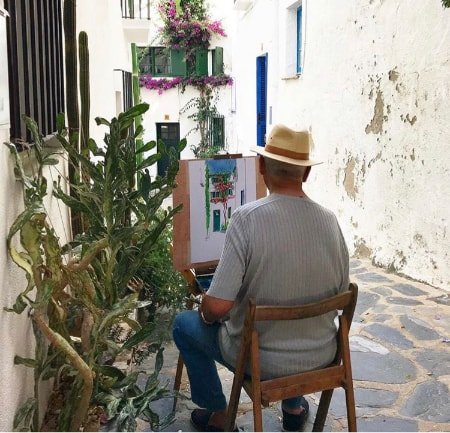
(213, 189)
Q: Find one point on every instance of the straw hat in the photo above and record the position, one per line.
(287, 145)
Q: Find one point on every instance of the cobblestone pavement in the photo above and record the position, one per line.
(400, 359)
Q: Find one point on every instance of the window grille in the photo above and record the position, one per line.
(216, 130)
(35, 65)
(135, 9)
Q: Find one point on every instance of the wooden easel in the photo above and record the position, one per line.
(182, 240)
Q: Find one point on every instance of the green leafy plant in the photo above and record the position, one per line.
(204, 109)
(77, 293)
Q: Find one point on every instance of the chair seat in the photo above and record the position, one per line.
(298, 384)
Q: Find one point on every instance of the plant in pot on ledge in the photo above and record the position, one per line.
(91, 281)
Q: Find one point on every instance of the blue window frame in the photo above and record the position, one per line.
(299, 40)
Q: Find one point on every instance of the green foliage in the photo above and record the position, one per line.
(88, 280)
(204, 108)
(446, 3)
(125, 401)
(164, 286)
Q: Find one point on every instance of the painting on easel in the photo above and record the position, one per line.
(210, 190)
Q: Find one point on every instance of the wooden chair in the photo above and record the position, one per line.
(337, 374)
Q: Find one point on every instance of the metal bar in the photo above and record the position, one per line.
(42, 73)
(59, 61)
(13, 79)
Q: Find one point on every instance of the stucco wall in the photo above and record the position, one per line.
(108, 50)
(16, 335)
(374, 92)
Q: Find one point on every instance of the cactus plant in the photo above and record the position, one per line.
(93, 284)
(71, 67)
(71, 70)
(136, 97)
(83, 50)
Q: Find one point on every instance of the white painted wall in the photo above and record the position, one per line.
(108, 50)
(374, 92)
(16, 384)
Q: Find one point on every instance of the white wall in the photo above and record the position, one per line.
(374, 92)
(16, 383)
(108, 50)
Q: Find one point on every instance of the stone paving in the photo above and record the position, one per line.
(400, 343)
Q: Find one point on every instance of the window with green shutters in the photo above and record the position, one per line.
(178, 61)
(217, 61)
(201, 62)
(154, 61)
(162, 62)
(170, 62)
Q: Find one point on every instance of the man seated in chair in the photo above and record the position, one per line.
(283, 249)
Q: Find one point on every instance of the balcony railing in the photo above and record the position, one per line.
(135, 9)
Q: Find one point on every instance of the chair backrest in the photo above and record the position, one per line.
(337, 374)
(345, 301)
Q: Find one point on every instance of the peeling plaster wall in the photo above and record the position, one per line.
(375, 93)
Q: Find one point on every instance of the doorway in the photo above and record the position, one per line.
(169, 134)
(261, 99)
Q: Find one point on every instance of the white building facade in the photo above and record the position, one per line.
(371, 81)
(170, 110)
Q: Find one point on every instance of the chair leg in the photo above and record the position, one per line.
(322, 410)
(177, 383)
(257, 414)
(351, 412)
(233, 404)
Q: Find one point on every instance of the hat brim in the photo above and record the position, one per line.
(301, 162)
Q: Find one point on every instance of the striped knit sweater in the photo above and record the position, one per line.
(282, 250)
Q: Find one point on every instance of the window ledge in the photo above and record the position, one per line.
(291, 77)
(49, 142)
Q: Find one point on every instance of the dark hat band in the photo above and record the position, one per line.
(287, 153)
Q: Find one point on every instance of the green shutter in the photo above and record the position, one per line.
(178, 62)
(201, 62)
(217, 61)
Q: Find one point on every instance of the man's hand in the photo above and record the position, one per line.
(214, 309)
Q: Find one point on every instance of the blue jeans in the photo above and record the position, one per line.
(199, 348)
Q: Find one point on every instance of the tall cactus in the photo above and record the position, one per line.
(136, 98)
(70, 44)
(83, 53)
